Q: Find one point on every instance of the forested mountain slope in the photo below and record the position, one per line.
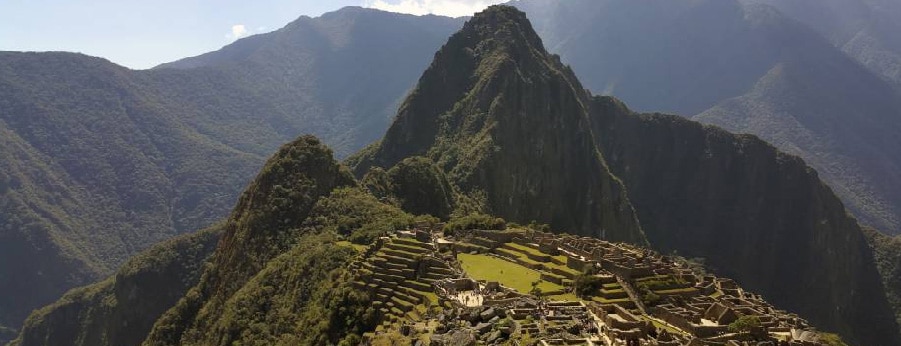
(101, 162)
(96, 169)
(122, 309)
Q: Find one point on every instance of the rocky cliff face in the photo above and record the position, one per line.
(497, 112)
(754, 213)
(122, 309)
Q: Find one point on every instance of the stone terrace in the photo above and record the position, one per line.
(644, 298)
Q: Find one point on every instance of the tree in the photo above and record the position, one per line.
(832, 339)
(586, 285)
(744, 324)
(536, 291)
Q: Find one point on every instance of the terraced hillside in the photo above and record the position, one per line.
(491, 287)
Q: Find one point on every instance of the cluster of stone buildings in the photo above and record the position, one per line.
(643, 298)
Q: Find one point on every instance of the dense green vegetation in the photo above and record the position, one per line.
(359, 217)
(832, 339)
(744, 324)
(94, 170)
(421, 187)
(586, 286)
(474, 221)
(887, 251)
(280, 250)
(121, 309)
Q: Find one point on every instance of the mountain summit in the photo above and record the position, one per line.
(496, 111)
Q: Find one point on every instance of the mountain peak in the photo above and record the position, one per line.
(502, 27)
(501, 20)
(509, 125)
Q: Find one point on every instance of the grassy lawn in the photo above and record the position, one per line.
(512, 275)
(562, 267)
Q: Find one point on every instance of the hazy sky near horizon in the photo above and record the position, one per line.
(143, 34)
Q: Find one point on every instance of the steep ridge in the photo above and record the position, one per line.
(721, 62)
(758, 215)
(122, 309)
(495, 111)
(278, 275)
(101, 162)
(266, 223)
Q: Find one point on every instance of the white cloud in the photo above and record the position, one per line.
(238, 31)
(452, 8)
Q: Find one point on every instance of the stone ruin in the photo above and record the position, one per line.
(645, 298)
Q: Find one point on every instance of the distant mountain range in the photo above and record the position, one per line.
(867, 30)
(100, 162)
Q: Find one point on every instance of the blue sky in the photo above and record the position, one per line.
(144, 33)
